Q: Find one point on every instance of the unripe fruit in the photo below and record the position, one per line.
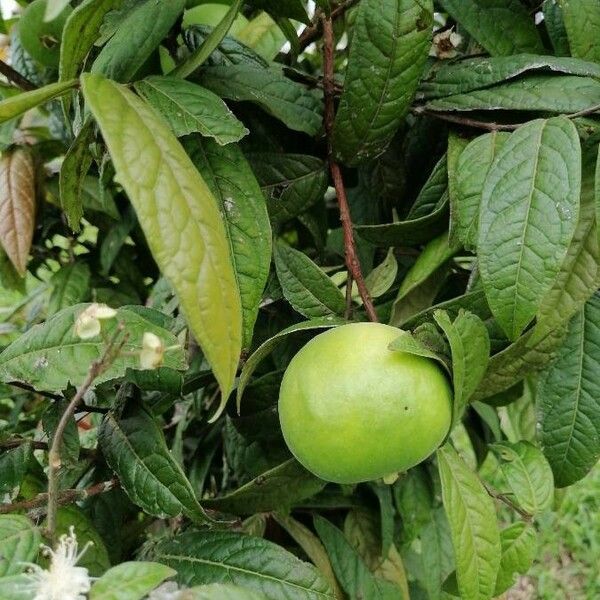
(352, 410)
(41, 39)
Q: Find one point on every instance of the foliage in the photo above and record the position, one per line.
(190, 191)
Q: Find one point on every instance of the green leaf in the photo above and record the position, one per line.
(470, 346)
(292, 183)
(14, 106)
(276, 489)
(13, 466)
(414, 501)
(410, 232)
(456, 146)
(180, 219)
(95, 558)
(529, 212)
(264, 35)
(547, 93)
(267, 347)
(51, 356)
(389, 48)
(130, 581)
(232, 182)
(479, 73)
(568, 400)
(432, 195)
(70, 286)
(519, 549)
(290, 102)
(73, 173)
(54, 8)
(19, 544)
(188, 108)
(475, 534)
(527, 355)
(527, 474)
(471, 171)
(579, 275)
(582, 22)
(212, 41)
(15, 587)
(136, 38)
(283, 8)
(115, 239)
(226, 556)
(81, 30)
(305, 286)
(221, 591)
(351, 571)
(382, 277)
(407, 342)
(135, 448)
(502, 27)
(312, 547)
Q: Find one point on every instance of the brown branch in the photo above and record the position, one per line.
(352, 262)
(64, 497)
(16, 77)
(37, 445)
(508, 502)
(313, 32)
(54, 460)
(466, 121)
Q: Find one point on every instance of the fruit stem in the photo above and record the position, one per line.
(352, 262)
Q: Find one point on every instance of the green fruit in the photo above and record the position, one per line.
(41, 39)
(351, 410)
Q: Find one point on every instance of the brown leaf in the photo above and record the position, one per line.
(17, 206)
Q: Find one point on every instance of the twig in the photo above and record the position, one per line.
(16, 77)
(466, 121)
(54, 461)
(349, 285)
(502, 498)
(38, 445)
(313, 32)
(28, 388)
(586, 111)
(352, 262)
(64, 497)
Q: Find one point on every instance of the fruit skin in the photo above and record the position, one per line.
(36, 35)
(351, 410)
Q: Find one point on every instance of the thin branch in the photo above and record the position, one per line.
(16, 77)
(585, 112)
(54, 460)
(313, 32)
(466, 121)
(28, 388)
(38, 445)
(508, 502)
(349, 286)
(352, 262)
(38, 503)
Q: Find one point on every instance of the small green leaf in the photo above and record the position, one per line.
(582, 22)
(70, 285)
(13, 466)
(350, 569)
(15, 106)
(51, 356)
(389, 48)
(568, 400)
(382, 277)
(276, 489)
(290, 102)
(267, 347)
(519, 549)
(136, 38)
(202, 557)
(470, 346)
(180, 218)
(292, 183)
(305, 286)
(502, 27)
(473, 522)
(471, 170)
(130, 581)
(527, 474)
(407, 342)
(19, 544)
(529, 212)
(136, 450)
(189, 108)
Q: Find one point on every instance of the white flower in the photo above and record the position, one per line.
(166, 591)
(153, 351)
(87, 324)
(445, 44)
(63, 580)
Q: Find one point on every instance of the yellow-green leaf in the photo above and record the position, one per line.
(179, 216)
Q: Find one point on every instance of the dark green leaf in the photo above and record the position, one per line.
(582, 22)
(519, 549)
(13, 466)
